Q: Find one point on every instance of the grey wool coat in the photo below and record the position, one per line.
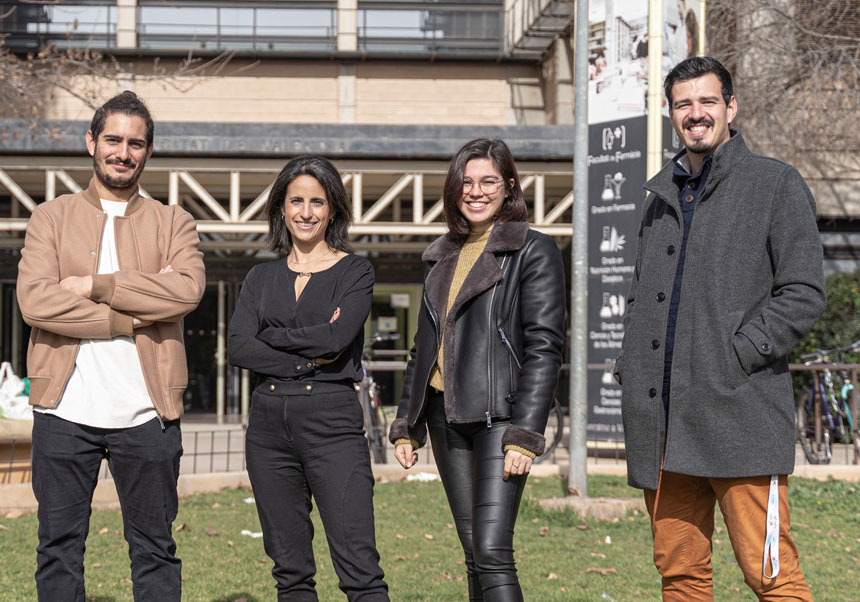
(752, 286)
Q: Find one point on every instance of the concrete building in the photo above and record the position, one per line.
(388, 89)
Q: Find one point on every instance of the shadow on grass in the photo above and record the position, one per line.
(237, 597)
(101, 599)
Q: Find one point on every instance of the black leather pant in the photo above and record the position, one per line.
(471, 461)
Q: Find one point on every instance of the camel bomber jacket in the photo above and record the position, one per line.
(64, 239)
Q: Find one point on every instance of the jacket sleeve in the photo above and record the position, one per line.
(44, 304)
(332, 337)
(246, 351)
(164, 297)
(542, 310)
(798, 295)
(399, 428)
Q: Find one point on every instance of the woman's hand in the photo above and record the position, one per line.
(406, 455)
(321, 361)
(516, 463)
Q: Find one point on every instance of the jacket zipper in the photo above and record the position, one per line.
(490, 351)
(435, 318)
(507, 344)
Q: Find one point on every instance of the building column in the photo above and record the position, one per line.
(347, 22)
(126, 23)
(346, 93)
(558, 75)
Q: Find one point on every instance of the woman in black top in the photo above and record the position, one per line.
(299, 326)
(486, 359)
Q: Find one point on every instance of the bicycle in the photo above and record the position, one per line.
(823, 413)
(375, 423)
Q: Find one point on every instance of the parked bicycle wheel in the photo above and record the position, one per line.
(855, 439)
(555, 423)
(375, 426)
(376, 431)
(816, 453)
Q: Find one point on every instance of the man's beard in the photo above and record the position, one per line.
(698, 145)
(118, 183)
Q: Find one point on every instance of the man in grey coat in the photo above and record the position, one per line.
(728, 277)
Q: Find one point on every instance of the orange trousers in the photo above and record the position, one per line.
(682, 523)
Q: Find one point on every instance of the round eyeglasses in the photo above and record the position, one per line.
(487, 185)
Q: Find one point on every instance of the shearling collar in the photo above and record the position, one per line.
(485, 273)
(91, 195)
(505, 236)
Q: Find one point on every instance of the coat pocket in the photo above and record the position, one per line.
(514, 365)
(734, 369)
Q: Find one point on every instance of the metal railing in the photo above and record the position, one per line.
(90, 24)
(300, 27)
(205, 451)
(223, 449)
(418, 27)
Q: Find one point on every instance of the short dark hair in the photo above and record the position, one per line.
(126, 103)
(322, 170)
(513, 208)
(698, 66)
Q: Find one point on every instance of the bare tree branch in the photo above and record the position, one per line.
(796, 65)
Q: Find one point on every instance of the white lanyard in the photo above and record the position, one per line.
(771, 537)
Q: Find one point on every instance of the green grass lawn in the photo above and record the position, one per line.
(421, 556)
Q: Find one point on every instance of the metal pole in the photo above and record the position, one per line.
(245, 394)
(578, 480)
(220, 353)
(17, 337)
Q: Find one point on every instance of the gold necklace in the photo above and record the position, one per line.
(311, 262)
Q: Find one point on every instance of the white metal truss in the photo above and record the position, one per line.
(228, 198)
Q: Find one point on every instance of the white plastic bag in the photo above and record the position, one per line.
(12, 403)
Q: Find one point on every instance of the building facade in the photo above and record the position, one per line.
(387, 89)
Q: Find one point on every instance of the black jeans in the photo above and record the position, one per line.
(144, 462)
(302, 443)
(471, 463)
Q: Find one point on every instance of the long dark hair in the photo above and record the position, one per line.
(513, 208)
(322, 170)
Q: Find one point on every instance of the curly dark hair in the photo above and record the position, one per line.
(324, 172)
(127, 103)
(513, 208)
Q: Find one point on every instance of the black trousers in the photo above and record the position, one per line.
(471, 462)
(310, 442)
(144, 462)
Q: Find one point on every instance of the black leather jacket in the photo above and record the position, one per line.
(503, 336)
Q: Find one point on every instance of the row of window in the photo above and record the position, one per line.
(260, 26)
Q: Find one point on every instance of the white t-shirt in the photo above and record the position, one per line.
(106, 388)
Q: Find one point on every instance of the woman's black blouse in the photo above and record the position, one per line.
(277, 336)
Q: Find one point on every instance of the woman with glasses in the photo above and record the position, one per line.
(486, 358)
(299, 325)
